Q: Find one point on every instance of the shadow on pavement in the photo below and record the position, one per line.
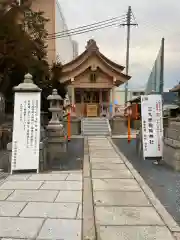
(164, 181)
(73, 159)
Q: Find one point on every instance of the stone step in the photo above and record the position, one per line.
(95, 127)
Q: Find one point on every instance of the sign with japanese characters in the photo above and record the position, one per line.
(152, 125)
(26, 131)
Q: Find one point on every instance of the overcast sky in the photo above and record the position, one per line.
(156, 19)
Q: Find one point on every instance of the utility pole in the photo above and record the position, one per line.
(128, 24)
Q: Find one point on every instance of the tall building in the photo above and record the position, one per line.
(64, 44)
(49, 9)
(59, 48)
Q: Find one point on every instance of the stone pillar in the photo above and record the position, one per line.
(72, 95)
(113, 99)
(101, 106)
(57, 143)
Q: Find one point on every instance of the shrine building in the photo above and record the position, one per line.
(91, 80)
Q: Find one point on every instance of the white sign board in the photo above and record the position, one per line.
(152, 125)
(26, 131)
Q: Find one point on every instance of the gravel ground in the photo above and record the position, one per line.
(164, 181)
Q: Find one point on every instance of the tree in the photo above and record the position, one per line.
(23, 49)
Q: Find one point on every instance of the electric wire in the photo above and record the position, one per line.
(85, 29)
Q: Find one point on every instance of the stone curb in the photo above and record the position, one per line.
(88, 223)
(165, 216)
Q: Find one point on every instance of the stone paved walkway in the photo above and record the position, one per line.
(41, 206)
(122, 209)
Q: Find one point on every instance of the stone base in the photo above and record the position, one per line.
(172, 153)
(56, 147)
(75, 126)
(118, 126)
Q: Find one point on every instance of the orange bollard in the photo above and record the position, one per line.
(69, 126)
(129, 129)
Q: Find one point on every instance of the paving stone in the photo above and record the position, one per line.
(33, 196)
(100, 146)
(115, 185)
(12, 239)
(134, 233)
(69, 196)
(108, 166)
(21, 185)
(48, 177)
(105, 160)
(50, 210)
(4, 194)
(127, 216)
(176, 235)
(120, 198)
(62, 185)
(17, 227)
(61, 229)
(103, 174)
(104, 154)
(18, 177)
(74, 177)
(79, 213)
(10, 209)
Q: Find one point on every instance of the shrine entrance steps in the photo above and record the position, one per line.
(95, 127)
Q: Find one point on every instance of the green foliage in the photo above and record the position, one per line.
(23, 49)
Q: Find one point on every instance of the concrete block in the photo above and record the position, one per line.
(4, 194)
(135, 233)
(69, 196)
(103, 174)
(74, 177)
(105, 160)
(18, 177)
(127, 216)
(17, 227)
(115, 185)
(33, 196)
(108, 166)
(26, 185)
(120, 198)
(61, 229)
(48, 177)
(62, 185)
(10, 209)
(104, 154)
(50, 210)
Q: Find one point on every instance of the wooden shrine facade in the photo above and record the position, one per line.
(91, 80)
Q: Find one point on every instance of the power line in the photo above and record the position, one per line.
(84, 31)
(89, 25)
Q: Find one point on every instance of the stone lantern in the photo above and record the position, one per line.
(57, 142)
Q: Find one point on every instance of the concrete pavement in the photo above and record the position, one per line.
(124, 206)
(41, 206)
(109, 195)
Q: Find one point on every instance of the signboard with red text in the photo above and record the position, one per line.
(152, 125)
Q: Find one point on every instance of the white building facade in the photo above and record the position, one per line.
(66, 48)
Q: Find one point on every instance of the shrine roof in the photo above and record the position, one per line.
(92, 49)
(93, 58)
